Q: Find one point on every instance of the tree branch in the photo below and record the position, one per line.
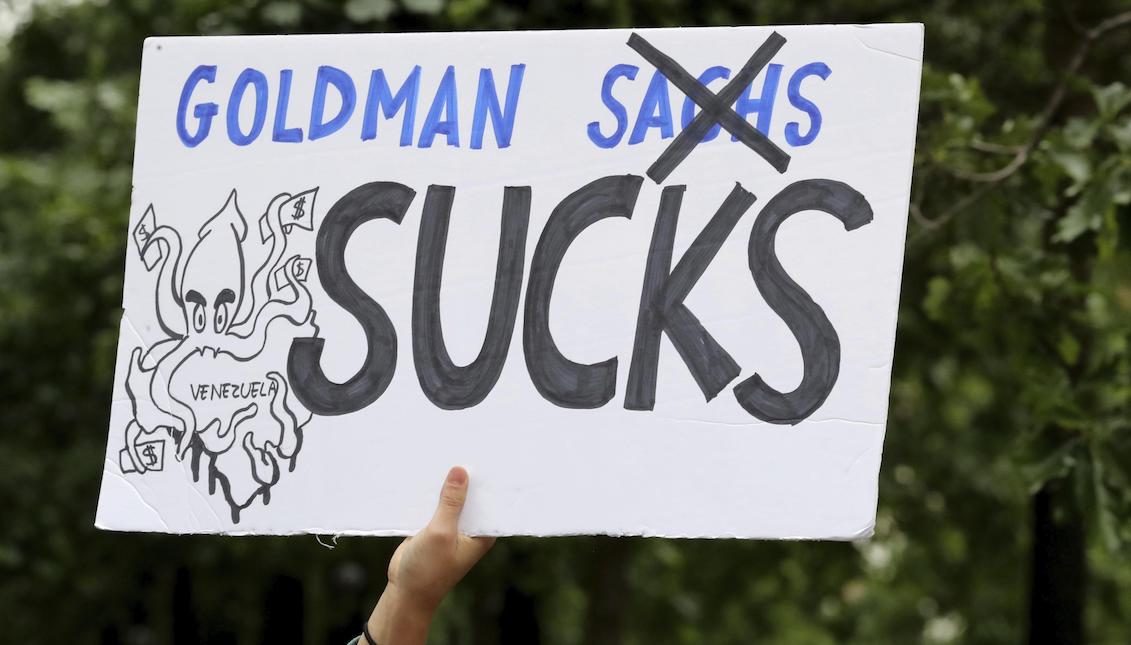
(994, 148)
(1044, 124)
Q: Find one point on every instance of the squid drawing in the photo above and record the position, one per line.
(215, 383)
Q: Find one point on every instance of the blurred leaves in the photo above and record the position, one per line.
(362, 11)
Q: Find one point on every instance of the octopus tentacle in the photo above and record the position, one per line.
(177, 358)
(157, 352)
(290, 434)
(259, 288)
(134, 432)
(140, 379)
(264, 466)
(170, 307)
(251, 342)
(218, 437)
(147, 419)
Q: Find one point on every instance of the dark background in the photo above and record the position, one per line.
(1004, 499)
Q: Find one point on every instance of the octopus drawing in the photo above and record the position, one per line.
(214, 385)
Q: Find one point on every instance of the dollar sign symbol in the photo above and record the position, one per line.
(299, 212)
(150, 456)
(142, 232)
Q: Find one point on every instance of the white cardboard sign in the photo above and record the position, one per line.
(636, 281)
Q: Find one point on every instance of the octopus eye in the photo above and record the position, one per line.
(221, 317)
(199, 320)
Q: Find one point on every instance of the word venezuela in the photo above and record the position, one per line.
(666, 284)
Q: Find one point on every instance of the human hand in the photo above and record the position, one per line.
(425, 567)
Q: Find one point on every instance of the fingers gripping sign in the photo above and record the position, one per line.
(425, 567)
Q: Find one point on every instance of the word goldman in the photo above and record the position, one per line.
(558, 379)
(442, 118)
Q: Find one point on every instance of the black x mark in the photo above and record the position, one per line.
(715, 108)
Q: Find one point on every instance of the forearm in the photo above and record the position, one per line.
(398, 621)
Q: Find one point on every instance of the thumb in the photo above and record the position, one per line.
(452, 497)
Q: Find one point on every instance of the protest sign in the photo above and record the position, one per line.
(636, 281)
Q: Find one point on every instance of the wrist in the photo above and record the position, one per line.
(400, 619)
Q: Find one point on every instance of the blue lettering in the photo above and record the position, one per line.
(616, 107)
(655, 111)
(382, 98)
(711, 74)
(443, 105)
(203, 111)
(764, 104)
(255, 78)
(793, 134)
(342, 82)
(281, 132)
(487, 99)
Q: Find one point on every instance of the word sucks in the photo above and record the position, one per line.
(566, 383)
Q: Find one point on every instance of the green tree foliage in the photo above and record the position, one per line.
(1009, 411)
